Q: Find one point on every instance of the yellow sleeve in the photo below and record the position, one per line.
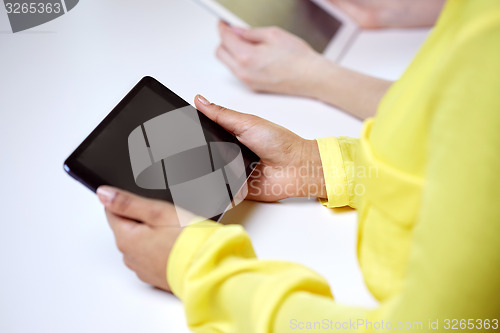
(337, 158)
(453, 277)
(454, 267)
(225, 288)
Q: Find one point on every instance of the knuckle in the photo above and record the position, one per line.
(142, 278)
(251, 83)
(127, 262)
(223, 34)
(122, 245)
(254, 88)
(245, 60)
(218, 52)
(243, 77)
(274, 31)
(122, 201)
(220, 113)
(246, 77)
(156, 213)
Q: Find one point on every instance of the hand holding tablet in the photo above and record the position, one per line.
(155, 145)
(327, 29)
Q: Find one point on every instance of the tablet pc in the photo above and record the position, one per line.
(155, 144)
(327, 29)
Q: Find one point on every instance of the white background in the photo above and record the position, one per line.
(59, 267)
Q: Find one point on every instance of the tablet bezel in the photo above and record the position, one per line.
(343, 40)
(90, 179)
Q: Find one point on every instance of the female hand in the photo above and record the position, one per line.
(371, 14)
(270, 60)
(290, 166)
(145, 246)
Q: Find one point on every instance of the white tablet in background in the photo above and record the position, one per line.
(327, 29)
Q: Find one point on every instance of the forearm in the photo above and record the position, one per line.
(354, 92)
(410, 14)
(379, 14)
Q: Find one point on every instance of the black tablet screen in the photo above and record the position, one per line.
(156, 145)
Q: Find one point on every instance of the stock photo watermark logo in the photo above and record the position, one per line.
(170, 153)
(24, 15)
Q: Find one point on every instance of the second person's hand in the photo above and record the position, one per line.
(290, 166)
(270, 60)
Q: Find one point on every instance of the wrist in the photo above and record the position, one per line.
(319, 78)
(325, 85)
(311, 180)
(357, 94)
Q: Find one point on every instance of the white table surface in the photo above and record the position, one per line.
(60, 269)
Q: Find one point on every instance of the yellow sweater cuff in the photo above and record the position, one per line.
(184, 251)
(334, 173)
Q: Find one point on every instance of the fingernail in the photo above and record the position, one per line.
(237, 30)
(106, 194)
(203, 100)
